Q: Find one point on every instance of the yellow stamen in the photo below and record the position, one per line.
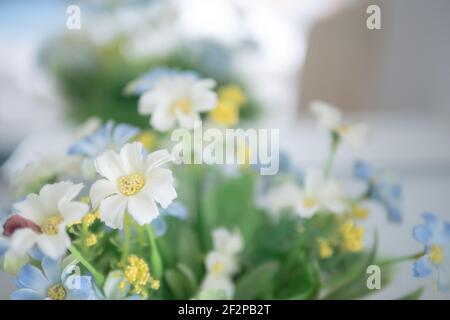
(183, 105)
(225, 114)
(91, 240)
(232, 94)
(360, 212)
(132, 184)
(309, 202)
(325, 249)
(57, 292)
(217, 267)
(90, 218)
(50, 225)
(436, 255)
(137, 274)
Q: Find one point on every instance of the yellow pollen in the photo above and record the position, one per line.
(132, 184)
(325, 249)
(309, 202)
(56, 292)
(353, 236)
(360, 212)
(90, 218)
(91, 240)
(50, 225)
(137, 274)
(436, 255)
(232, 94)
(184, 105)
(225, 114)
(217, 268)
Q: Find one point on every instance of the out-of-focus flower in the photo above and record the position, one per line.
(114, 288)
(53, 282)
(318, 193)
(177, 99)
(148, 139)
(434, 234)
(352, 236)
(175, 209)
(381, 188)
(132, 182)
(232, 94)
(48, 213)
(107, 137)
(325, 248)
(330, 118)
(226, 112)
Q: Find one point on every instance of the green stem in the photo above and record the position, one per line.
(98, 277)
(334, 144)
(400, 259)
(127, 237)
(155, 257)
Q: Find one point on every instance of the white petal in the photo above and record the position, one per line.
(112, 210)
(357, 135)
(22, 241)
(163, 119)
(52, 194)
(284, 196)
(159, 184)
(306, 211)
(146, 103)
(32, 209)
(100, 190)
(54, 246)
(157, 158)
(314, 181)
(328, 116)
(143, 208)
(187, 120)
(72, 211)
(132, 159)
(331, 197)
(109, 165)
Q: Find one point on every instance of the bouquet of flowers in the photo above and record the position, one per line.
(121, 217)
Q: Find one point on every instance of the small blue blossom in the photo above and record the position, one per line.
(109, 136)
(435, 236)
(381, 189)
(175, 209)
(51, 283)
(146, 81)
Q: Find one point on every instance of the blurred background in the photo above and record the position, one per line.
(285, 53)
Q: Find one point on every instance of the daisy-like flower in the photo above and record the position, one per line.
(132, 183)
(48, 213)
(435, 236)
(178, 99)
(330, 118)
(53, 282)
(318, 193)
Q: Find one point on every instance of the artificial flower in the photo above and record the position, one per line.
(434, 234)
(132, 183)
(381, 188)
(48, 213)
(109, 136)
(53, 282)
(177, 99)
(330, 118)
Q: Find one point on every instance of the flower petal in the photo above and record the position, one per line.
(22, 241)
(143, 208)
(422, 267)
(112, 210)
(422, 233)
(156, 159)
(52, 194)
(72, 211)
(32, 278)
(54, 246)
(100, 190)
(52, 269)
(159, 183)
(132, 159)
(26, 294)
(32, 209)
(109, 165)
(328, 116)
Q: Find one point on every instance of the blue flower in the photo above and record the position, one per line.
(109, 136)
(148, 79)
(52, 282)
(381, 189)
(435, 236)
(175, 209)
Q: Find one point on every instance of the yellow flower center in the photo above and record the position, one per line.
(137, 274)
(132, 184)
(50, 225)
(343, 130)
(183, 105)
(325, 249)
(57, 292)
(353, 236)
(91, 240)
(436, 255)
(90, 218)
(309, 202)
(232, 94)
(360, 212)
(148, 139)
(217, 267)
(225, 114)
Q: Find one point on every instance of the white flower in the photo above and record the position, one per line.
(52, 210)
(330, 118)
(132, 182)
(177, 99)
(318, 193)
(226, 242)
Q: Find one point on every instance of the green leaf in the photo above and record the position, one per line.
(415, 295)
(257, 283)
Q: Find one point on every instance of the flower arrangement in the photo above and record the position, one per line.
(125, 222)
